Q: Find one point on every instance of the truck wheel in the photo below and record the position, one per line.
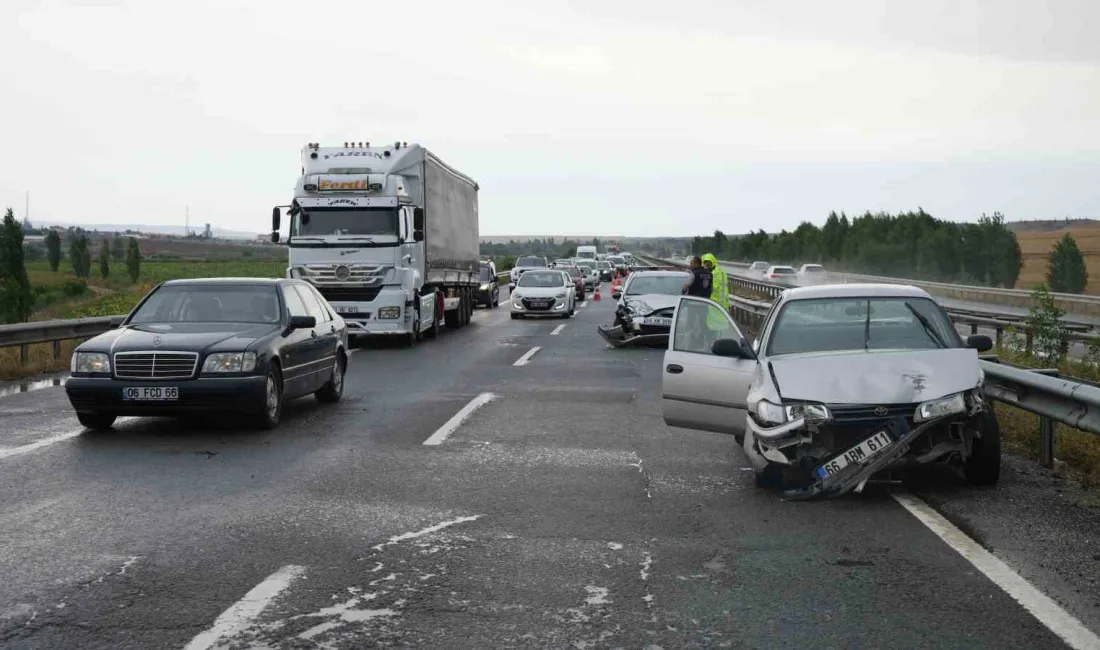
(433, 331)
(983, 467)
(414, 331)
(465, 308)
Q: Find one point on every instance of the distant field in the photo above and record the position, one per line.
(63, 295)
(1036, 245)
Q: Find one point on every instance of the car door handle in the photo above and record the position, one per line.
(674, 368)
(333, 328)
(313, 334)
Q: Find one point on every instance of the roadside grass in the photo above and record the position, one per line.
(62, 295)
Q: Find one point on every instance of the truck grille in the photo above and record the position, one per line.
(349, 294)
(155, 365)
(345, 274)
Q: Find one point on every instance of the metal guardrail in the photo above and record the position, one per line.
(50, 331)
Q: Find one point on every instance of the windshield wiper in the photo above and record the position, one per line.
(306, 238)
(356, 238)
(932, 333)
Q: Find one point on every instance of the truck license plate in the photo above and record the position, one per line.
(857, 454)
(344, 309)
(151, 394)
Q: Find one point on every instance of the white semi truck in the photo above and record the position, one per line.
(389, 235)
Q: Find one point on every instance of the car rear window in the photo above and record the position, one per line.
(531, 260)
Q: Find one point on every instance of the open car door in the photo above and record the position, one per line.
(701, 389)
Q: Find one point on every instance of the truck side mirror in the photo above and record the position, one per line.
(275, 236)
(418, 220)
(418, 235)
(276, 218)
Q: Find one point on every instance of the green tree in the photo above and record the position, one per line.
(118, 248)
(104, 258)
(133, 259)
(80, 257)
(15, 288)
(1066, 271)
(53, 249)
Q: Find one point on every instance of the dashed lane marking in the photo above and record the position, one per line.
(557, 330)
(457, 419)
(45, 442)
(242, 613)
(525, 359)
(1041, 606)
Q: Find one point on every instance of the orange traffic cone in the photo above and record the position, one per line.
(596, 294)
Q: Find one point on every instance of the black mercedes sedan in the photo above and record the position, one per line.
(235, 345)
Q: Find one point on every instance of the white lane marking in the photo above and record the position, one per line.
(1042, 607)
(596, 595)
(557, 330)
(457, 419)
(525, 359)
(582, 305)
(426, 531)
(45, 442)
(242, 613)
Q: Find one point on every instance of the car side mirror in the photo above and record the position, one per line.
(117, 321)
(616, 295)
(302, 322)
(979, 342)
(728, 348)
(276, 218)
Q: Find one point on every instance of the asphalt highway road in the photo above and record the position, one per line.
(561, 513)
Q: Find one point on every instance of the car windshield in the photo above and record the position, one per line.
(759, 265)
(671, 285)
(836, 324)
(536, 279)
(484, 274)
(605, 264)
(573, 271)
(783, 270)
(531, 260)
(589, 264)
(210, 304)
(616, 260)
(344, 222)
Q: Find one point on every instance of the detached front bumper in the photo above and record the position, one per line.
(206, 394)
(619, 337)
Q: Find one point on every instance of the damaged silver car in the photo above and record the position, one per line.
(844, 382)
(643, 315)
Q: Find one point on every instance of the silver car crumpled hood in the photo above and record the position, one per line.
(650, 302)
(877, 376)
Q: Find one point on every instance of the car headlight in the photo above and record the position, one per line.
(486, 287)
(811, 412)
(389, 313)
(560, 296)
(230, 362)
(768, 413)
(91, 362)
(938, 408)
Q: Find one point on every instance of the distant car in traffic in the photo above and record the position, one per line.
(523, 264)
(577, 275)
(489, 291)
(607, 270)
(591, 273)
(843, 382)
(759, 268)
(809, 274)
(543, 293)
(562, 261)
(643, 314)
(781, 274)
(234, 345)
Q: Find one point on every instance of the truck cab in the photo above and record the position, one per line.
(388, 235)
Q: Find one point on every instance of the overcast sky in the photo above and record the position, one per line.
(635, 117)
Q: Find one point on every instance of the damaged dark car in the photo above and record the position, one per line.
(643, 315)
(844, 383)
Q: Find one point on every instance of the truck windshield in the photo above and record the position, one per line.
(344, 222)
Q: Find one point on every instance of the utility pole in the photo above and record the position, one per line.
(187, 221)
(27, 208)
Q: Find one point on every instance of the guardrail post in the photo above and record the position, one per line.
(973, 329)
(1027, 342)
(57, 349)
(24, 354)
(1000, 337)
(1046, 442)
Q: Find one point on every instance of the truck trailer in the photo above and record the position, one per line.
(388, 235)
